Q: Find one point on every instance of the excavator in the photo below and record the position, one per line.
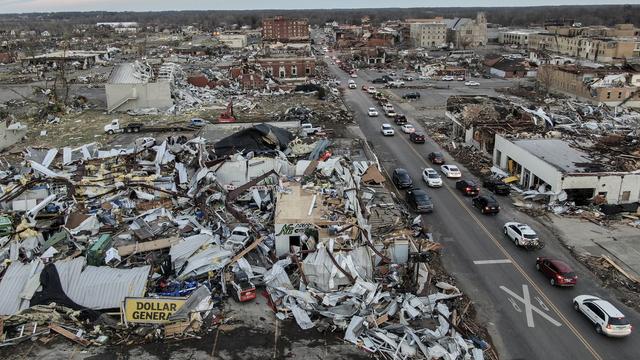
(227, 116)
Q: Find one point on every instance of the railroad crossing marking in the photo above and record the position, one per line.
(542, 304)
(487, 262)
(528, 307)
(515, 304)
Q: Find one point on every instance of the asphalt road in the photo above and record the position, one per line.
(527, 318)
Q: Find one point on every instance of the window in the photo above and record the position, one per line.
(619, 94)
(626, 195)
(282, 72)
(608, 94)
(294, 70)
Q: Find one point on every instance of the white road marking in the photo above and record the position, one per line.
(526, 300)
(515, 305)
(542, 304)
(487, 262)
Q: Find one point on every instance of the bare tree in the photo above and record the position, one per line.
(545, 77)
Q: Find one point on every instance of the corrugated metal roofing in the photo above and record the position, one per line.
(125, 74)
(13, 284)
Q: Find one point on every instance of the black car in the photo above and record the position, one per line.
(419, 200)
(411, 95)
(386, 78)
(436, 158)
(468, 187)
(400, 119)
(401, 178)
(417, 138)
(497, 186)
(486, 76)
(486, 204)
(379, 81)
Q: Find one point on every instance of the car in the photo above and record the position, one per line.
(486, 76)
(411, 95)
(498, 187)
(353, 86)
(448, 78)
(520, 234)
(422, 77)
(400, 119)
(486, 204)
(408, 129)
(390, 113)
(387, 130)
(419, 200)
(401, 178)
(417, 138)
(386, 106)
(198, 122)
(450, 171)
(460, 78)
(436, 158)
(468, 187)
(379, 81)
(408, 78)
(365, 88)
(371, 90)
(557, 271)
(472, 83)
(388, 78)
(354, 75)
(607, 319)
(431, 177)
(373, 112)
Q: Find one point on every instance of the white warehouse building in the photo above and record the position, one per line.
(558, 166)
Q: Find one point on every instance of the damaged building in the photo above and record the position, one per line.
(137, 85)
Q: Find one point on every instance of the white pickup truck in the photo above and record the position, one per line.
(396, 83)
(240, 237)
(308, 129)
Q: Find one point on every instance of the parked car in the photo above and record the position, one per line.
(460, 78)
(448, 78)
(450, 171)
(379, 81)
(388, 78)
(472, 83)
(400, 119)
(431, 177)
(198, 122)
(419, 200)
(436, 158)
(408, 129)
(607, 319)
(387, 130)
(411, 95)
(486, 204)
(520, 234)
(497, 186)
(468, 187)
(408, 78)
(365, 87)
(557, 271)
(371, 90)
(401, 178)
(486, 76)
(354, 75)
(373, 112)
(417, 138)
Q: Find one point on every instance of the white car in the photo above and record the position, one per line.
(387, 130)
(390, 113)
(407, 129)
(450, 171)
(472, 83)
(520, 234)
(431, 177)
(422, 77)
(373, 112)
(387, 107)
(607, 319)
(371, 90)
(354, 75)
(448, 78)
(353, 86)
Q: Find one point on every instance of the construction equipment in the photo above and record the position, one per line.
(244, 290)
(227, 116)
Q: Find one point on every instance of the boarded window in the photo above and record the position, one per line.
(626, 195)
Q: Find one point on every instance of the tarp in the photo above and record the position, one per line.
(259, 138)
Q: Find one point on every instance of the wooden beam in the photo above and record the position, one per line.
(246, 250)
(620, 269)
(147, 246)
(69, 335)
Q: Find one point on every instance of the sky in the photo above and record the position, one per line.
(22, 6)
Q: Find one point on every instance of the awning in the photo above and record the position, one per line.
(510, 179)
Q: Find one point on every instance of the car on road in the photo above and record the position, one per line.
(460, 78)
(408, 129)
(498, 187)
(431, 177)
(486, 204)
(557, 271)
(472, 83)
(387, 130)
(422, 77)
(352, 84)
(607, 319)
(408, 78)
(468, 187)
(371, 90)
(365, 87)
(401, 178)
(520, 234)
(450, 171)
(419, 200)
(354, 75)
(379, 81)
(389, 112)
(373, 112)
(486, 76)
(386, 105)
(198, 122)
(411, 95)
(448, 78)
(436, 158)
(417, 138)
(400, 119)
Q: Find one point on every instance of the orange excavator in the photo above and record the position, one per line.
(227, 116)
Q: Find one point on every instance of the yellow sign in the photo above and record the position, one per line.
(151, 310)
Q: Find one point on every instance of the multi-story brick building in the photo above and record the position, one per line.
(289, 69)
(427, 33)
(282, 29)
(603, 49)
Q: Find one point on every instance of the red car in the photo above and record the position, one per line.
(558, 272)
(436, 158)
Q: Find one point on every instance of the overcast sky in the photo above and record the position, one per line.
(17, 6)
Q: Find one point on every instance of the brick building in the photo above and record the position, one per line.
(285, 30)
(428, 33)
(291, 69)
